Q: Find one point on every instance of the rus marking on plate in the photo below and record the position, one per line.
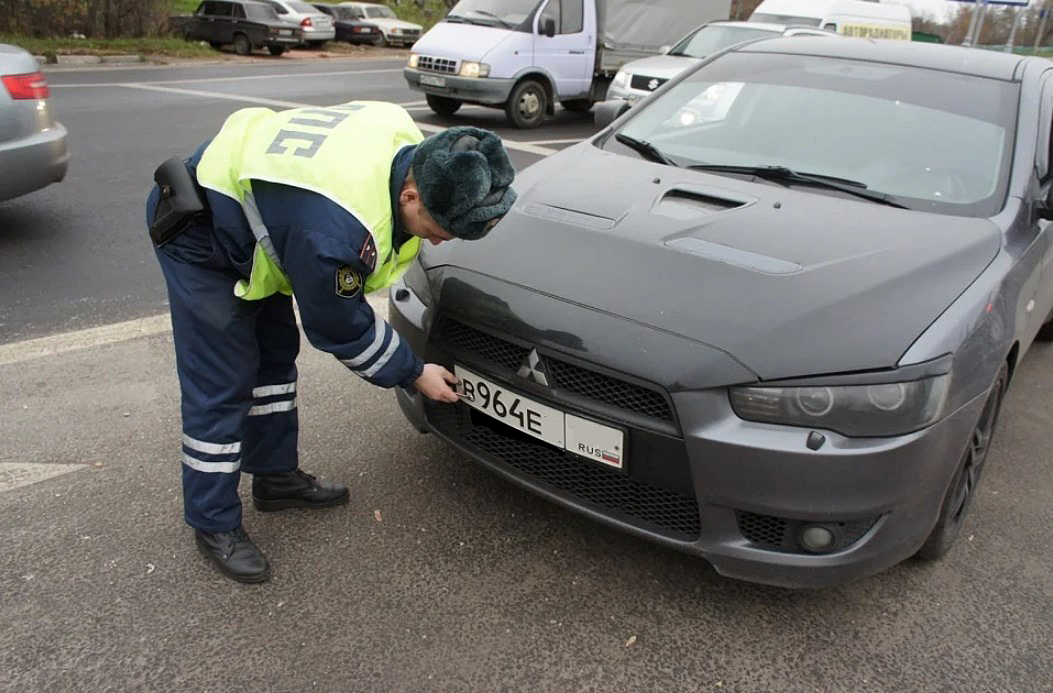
(16, 474)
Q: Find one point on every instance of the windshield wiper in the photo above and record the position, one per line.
(788, 175)
(494, 17)
(456, 19)
(646, 148)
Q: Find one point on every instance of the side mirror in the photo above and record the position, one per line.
(606, 112)
(548, 27)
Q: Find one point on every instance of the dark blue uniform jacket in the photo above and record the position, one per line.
(316, 239)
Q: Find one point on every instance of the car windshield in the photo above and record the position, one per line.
(930, 140)
(715, 37)
(784, 19)
(380, 12)
(261, 13)
(507, 12)
(302, 7)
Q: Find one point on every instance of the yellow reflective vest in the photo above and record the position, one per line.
(342, 152)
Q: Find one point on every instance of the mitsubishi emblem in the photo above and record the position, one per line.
(533, 369)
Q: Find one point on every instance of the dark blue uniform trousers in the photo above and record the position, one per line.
(236, 361)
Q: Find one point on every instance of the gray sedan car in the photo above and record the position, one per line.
(32, 144)
(768, 316)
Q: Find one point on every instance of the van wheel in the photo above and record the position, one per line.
(577, 105)
(962, 490)
(242, 45)
(276, 50)
(527, 105)
(443, 105)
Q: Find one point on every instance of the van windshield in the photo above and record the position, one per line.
(794, 19)
(507, 13)
(930, 140)
(716, 37)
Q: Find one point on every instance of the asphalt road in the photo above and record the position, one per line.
(437, 576)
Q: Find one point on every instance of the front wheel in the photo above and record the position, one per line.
(380, 41)
(962, 490)
(276, 50)
(443, 105)
(242, 45)
(527, 105)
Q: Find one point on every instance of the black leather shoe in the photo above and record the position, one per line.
(295, 489)
(234, 554)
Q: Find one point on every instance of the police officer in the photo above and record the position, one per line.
(327, 204)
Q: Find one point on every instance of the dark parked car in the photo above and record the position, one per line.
(348, 28)
(245, 24)
(769, 315)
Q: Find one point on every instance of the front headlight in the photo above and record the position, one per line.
(414, 59)
(396, 31)
(865, 411)
(621, 80)
(416, 280)
(470, 69)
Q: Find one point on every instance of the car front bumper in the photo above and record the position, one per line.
(735, 493)
(484, 90)
(30, 163)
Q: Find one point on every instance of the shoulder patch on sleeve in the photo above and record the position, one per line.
(348, 282)
(368, 254)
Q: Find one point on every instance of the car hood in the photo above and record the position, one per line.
(388, 23)
(460, 41)
(790, 282)
(660, 66)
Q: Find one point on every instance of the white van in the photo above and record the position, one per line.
(858, 18)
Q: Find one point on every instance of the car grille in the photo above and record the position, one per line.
(564, 376)
(646, 83)
(611, 492)
(433, 64)
(780, 534)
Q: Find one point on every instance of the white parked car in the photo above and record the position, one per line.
(317, 26)
(637, 79)
(393, 30)
(32, 144)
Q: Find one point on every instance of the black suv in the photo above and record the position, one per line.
(244, 23)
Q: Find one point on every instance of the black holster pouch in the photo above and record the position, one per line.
(182, 201)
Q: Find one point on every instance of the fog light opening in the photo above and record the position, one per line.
(817, 538)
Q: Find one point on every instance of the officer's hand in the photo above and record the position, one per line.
(434, 383)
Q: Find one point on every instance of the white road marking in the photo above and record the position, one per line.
(16, 474)
(77, 340)
(243, 78)
(425, 127)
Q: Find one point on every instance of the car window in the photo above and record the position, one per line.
(261, 13)
(302, 7)
(380, 12)
(239, 11)
(223, 9)
(933, 140)
(204, 8)
(277, 6)
(715, 38)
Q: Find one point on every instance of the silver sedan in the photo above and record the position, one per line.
(32, 143)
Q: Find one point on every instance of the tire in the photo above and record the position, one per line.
(527, 105)
(315, 44)
(242, 46)
(380, 41)
(443, 105)
(275, 50)
(962, 490)
(577, 105)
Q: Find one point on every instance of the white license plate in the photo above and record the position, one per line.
(572, 433)
(433, 81)
(285, 32)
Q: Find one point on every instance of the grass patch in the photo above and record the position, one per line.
(175, 47)
(183, 6)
